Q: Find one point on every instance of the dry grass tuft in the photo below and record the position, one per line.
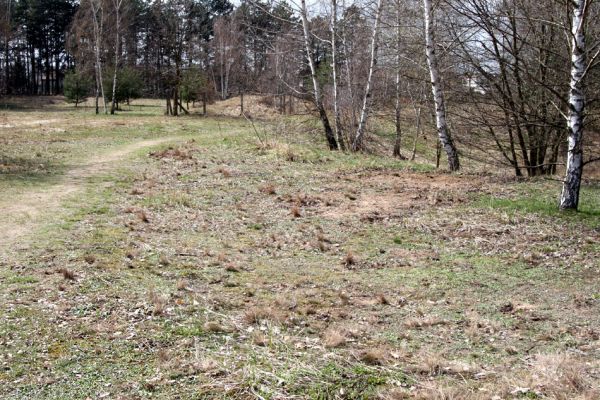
(183, 284)
(256, 315)
(430, 363)
(381, 299)
(214, 327)
(295, 211)
(290, 155)
(132, 253)
(344, 297)
(333, 338)
(560, 376)
(268, 188)
(206, 365)
(231, 268)
(221, 258)
(350, 259)
(67, 274)
(89, 258)
(136, 191)
(172, 153)
(164, 260)
(225, 172)
(259, 339)
(159, 303)
(375, 356)
(423, 322)
(142, 216)
(322, 247)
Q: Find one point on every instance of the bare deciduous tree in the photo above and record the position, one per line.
(436, 88)
(329, 135)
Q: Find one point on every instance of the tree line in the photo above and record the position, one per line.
(508, 82)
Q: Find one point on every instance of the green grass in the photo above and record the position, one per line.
(541, 198)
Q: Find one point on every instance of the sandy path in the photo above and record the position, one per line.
(21, 214)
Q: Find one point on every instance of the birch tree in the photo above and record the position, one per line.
(117, 7)
(569, 198)
(436, 89)
(397, 106)
(329, 135)
(360, 131)
(334, 70)
(97, 15)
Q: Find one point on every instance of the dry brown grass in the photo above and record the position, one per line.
(159, 302)
(334, 338)
(67, 274)
(423, 322)
(256, 315)
(142, 216)
(268, 188)
(560, 376)
(295, 211)
(344, 297)
(163, 260)
(182, 284)
(214, 327)
(259, 339)
(374, 356)
(231, 268)
(225, 172)
(349, 259)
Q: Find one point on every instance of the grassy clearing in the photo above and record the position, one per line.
(228, 267)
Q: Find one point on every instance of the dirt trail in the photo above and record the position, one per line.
(21, 215)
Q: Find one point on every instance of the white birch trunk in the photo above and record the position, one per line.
(97, 23)
(313, 73)
(397, 120)
(360, 131)
(569, 198)
(117, 4)
(336, 109)
(436, 88)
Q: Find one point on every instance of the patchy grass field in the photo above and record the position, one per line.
(199, 258)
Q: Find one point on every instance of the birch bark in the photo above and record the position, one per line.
(336, 111)
(97, 24)
(569, 198)
(397, 117)
(360, 131)
(436, 88)
(117, 4)
(313, 73)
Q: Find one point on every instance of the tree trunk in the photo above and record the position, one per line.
(56, 77)
(168, 111)
(417, 133)
(97, 28)
(338, 122)
(316, 89)
(436, 88)
(360, 131)
(117, 4)
(398, 143)
(569, 198)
